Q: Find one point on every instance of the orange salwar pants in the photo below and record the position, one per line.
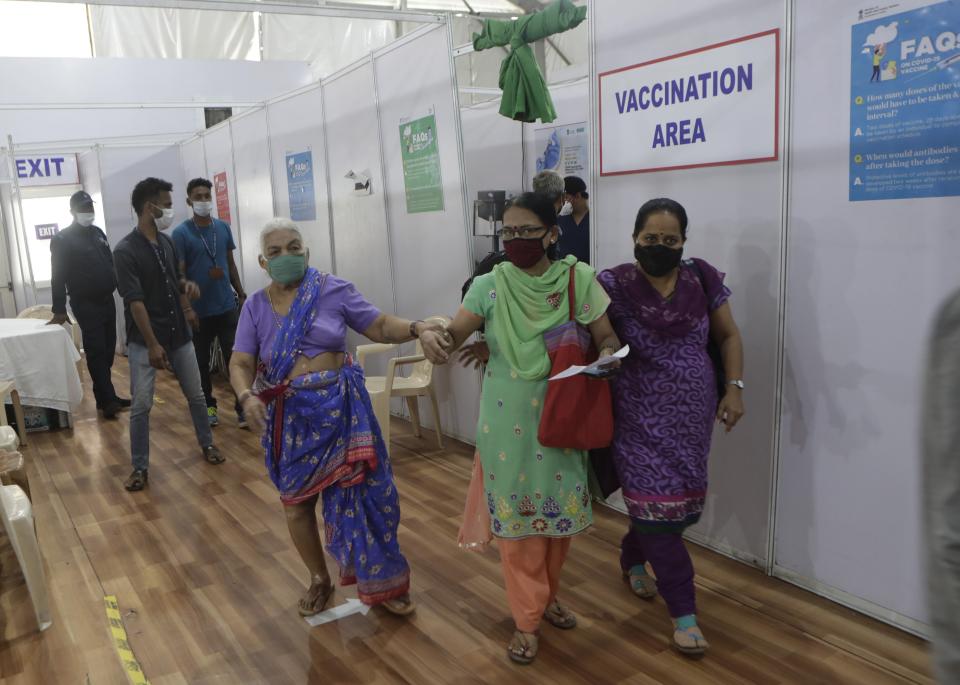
(531, 571)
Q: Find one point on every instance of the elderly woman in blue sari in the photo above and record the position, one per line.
(294, 378)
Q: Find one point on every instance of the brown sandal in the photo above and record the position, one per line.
(559, 616)
(319, 601)
(400, 606)
(690, 642)
(641, 584)
(523, 647)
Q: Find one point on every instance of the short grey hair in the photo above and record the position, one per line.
(274, 226)
(550, 184)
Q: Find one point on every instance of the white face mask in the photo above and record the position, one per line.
(163, 222)
(566, 210)
(85, 218)
(202, 208)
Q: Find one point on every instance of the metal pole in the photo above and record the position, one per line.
(326, 165)
(785, 186)
(21, 231)
(383, 181)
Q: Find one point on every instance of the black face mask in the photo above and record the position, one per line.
(657, 260)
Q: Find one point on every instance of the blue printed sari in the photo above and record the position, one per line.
(323, 437)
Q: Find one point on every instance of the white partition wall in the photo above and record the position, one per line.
(296, 128)
(361, 239)
(254, 207)
(121, 168)
(492, 156)
(735, 224)
(218, 153)
(431, 257)
(864, 280)
(192, 159)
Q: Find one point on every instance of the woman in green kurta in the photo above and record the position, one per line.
(537, 496)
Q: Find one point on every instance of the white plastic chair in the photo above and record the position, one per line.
(13, 471)
(418, 384)
(45, 312)
(17, 517)
(9, 440)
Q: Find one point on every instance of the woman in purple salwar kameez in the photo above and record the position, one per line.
(666, 402)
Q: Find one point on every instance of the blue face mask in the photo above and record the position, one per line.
(287, 268)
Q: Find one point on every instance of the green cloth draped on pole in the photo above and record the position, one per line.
(525, 94)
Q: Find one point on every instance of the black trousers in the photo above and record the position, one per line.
(224, 328)
(98, 326)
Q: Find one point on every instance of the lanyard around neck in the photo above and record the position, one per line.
(212, 253)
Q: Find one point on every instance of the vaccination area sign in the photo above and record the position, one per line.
(303, 204)
(711, 106)
(47, 170)
(905, 105)
(421, 165)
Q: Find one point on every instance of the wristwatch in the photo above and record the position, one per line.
(737, 383)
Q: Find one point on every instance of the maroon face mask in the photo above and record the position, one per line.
(524, 252)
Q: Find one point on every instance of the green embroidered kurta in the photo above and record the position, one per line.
(530, 489)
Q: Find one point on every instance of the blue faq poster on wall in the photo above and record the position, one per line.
(905, 104)
(303, 204)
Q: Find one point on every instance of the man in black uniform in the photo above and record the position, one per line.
(83, 266)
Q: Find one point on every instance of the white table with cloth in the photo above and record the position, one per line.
(42, 360)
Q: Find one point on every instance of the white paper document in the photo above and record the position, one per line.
(575, 370)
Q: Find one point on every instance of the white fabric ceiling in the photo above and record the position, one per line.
(30, 28)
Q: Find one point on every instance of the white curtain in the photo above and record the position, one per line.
(327, 43)
(43, 29)
(150, 32)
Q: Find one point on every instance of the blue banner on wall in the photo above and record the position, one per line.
(905, 105)
(303, 204)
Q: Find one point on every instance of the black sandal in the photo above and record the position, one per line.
(137, 481)
(212, 455)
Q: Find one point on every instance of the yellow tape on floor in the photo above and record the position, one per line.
(127, 659)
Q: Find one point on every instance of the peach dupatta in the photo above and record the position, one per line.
(475, 532)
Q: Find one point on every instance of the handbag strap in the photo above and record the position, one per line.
(571, 292)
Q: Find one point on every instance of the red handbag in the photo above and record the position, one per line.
(577, 411)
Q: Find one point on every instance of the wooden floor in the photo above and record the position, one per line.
(207, 581)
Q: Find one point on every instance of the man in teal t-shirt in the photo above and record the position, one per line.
(205, 249)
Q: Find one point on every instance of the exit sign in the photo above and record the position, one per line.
(46, 231)
(47, 170)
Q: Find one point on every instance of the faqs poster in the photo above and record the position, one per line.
(905, 104)
(303, 204)
(421, 165)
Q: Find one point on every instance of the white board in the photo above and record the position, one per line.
(251, 155)
(431, 257)
(218, 151)
(864, 280)
(192, 159)
(360, 224)
(296, 126)
(734, 224)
